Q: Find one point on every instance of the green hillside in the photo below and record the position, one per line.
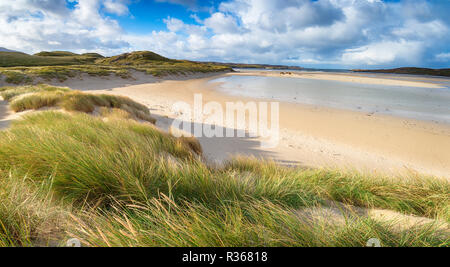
(96, 55)
(14, 59)
(134, 58)
(67, 54)
(21, 68)
(56, 54)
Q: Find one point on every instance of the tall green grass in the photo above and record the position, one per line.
(163, 222)
(419, 195)
(131, 184)
(36, 101)
(94, 159)
(89, 157)
(29, 215)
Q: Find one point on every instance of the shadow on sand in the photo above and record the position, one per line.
(4, 110)
(217, 150)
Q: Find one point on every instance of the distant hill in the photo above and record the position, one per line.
(96, 55)
(2, 49)
(256, 66)
(66, 54)
(412, 71)
(56, 54)
(56, 58)
(133, 58)
(13, 59)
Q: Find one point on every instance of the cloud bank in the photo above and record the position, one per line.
(336, 33)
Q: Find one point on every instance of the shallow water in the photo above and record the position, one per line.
(431, 104)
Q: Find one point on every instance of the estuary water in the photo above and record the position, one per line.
(431, 104)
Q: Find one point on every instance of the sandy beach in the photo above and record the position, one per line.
(310, 136)
(394, 80)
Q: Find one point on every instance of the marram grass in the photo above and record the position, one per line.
(29, 215)
(33, 97)
(419, 195)
(9, 92)
(93, 159)
(163, 222)
(132, 185)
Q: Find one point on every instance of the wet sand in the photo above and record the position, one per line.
(371, 78)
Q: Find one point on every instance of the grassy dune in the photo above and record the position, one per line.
(130, 184)
(11, 59)
(162, 222)
(67, 54)
(20, 68)
(34, 97)
(8, 93)
(112, 181)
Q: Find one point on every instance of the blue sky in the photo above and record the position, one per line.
(149, 15)
(320, 33)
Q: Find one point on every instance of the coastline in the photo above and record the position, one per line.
(312, 136)
(375, 78)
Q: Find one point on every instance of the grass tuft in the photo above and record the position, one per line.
(192, 143)
(10, 92)
(36, 101)
(16, 77)
(163, 222)
(29, 215)
(424, 196)
(35, 97)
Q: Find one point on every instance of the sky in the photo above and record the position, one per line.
(308, 33)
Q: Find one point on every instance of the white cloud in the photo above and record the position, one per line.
(384, 53)
(413, 29)
(337, 32)
(174, 25)
(118, 7)
(54, 43)
(47, 7)
(443, 57)
(221, 23)
(28, 25)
